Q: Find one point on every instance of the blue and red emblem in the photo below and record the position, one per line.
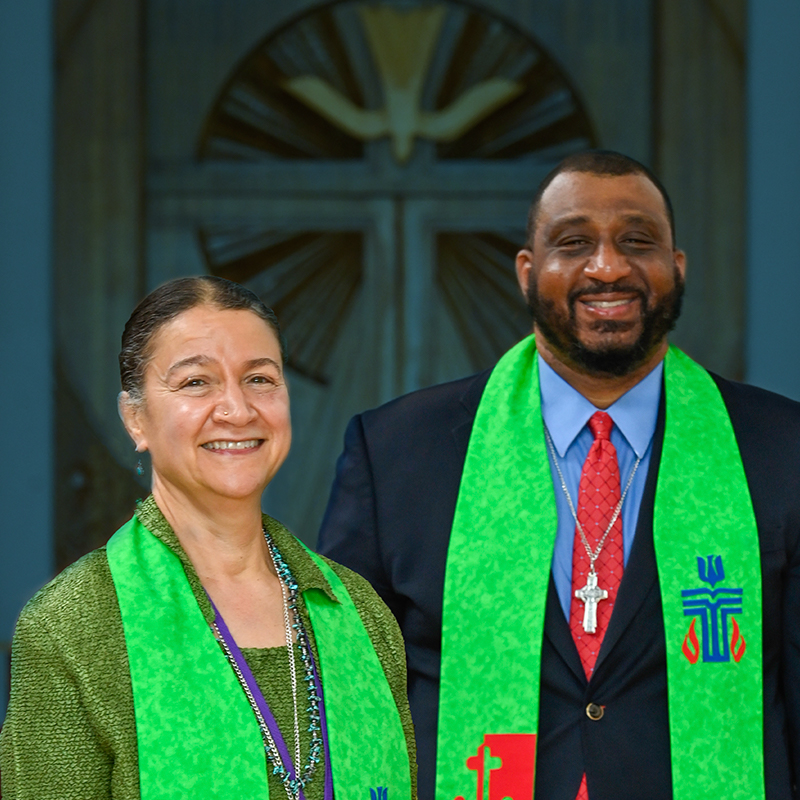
(715, 607)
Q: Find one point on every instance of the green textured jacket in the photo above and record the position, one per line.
(70, 732)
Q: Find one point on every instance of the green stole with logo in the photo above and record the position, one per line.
(496, 585)
(197, 735)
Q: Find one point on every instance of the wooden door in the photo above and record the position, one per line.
(367, 171)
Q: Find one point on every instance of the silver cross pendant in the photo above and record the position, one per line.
(591, 595)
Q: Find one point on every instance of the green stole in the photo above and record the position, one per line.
(197, 735)
(496, 585)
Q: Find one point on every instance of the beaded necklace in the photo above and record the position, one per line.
(278, 757)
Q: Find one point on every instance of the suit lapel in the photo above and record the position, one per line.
(465, 417)
(556, 629)
(640, 572)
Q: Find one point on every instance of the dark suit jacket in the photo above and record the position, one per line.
(389, 518)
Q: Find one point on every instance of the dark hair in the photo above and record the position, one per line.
(169, 301)
(598, 162)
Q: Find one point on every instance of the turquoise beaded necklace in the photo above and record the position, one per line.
(293, 786)
(304, 647)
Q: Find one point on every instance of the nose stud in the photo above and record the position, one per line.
(224, 413)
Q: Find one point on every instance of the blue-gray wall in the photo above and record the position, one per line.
(773, 322)
(26, 418)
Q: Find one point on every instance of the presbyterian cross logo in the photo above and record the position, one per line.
(714, 607)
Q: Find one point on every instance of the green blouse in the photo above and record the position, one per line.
(70, 731)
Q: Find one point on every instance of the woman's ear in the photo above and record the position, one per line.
(130, 414)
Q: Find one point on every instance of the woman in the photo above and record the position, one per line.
(204, 652)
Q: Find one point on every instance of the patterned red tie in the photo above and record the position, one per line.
(598, 495)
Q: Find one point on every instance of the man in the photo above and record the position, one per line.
(622, 586)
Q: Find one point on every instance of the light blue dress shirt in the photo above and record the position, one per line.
(566, 412)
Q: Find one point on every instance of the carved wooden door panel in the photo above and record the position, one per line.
(163, 143)
(367, 171)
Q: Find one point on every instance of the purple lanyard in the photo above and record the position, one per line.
(267, 714)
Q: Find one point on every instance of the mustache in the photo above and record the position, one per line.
(605, 288)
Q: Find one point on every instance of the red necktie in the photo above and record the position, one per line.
(598, 496)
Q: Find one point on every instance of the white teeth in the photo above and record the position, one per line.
(606, 303)
(231, 445)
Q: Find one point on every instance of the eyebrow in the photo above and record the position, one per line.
(581, 219)
(201, 360)
(564, 222)
(641, 219)
(266, 361)
(192, 361)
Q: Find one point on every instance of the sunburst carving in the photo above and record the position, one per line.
(310, 279)
(257, 117)
(490, 93)
(545, 116)
(476, 278)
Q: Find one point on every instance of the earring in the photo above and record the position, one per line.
(139, 467)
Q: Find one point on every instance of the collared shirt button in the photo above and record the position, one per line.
(594, 711)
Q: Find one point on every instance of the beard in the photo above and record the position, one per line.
(562, 333)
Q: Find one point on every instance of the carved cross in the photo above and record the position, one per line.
(591, 595)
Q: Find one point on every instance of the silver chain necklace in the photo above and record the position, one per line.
(590, 594)
(262, 724)
(287, 625)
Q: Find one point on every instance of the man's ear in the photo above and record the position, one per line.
(680, 262)
(524, 266)
(130, 414)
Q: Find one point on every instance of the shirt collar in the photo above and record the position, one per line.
(566, 411)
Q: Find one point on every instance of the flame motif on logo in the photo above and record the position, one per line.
(691, 645)
(737, 653)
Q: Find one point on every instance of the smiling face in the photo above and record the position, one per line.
(601, 277)
(215, 411)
